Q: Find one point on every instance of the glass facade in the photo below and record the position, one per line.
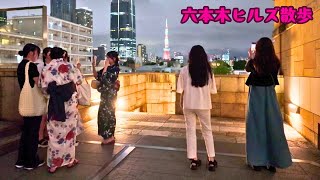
(63, 9)
(123, 28)
(84, 17)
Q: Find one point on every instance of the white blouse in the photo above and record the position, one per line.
(195, 97)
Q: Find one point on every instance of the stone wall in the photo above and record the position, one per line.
(298, 46)
(231, 99)
(9, 95)
(146, 92)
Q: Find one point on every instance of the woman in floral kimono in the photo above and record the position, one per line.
(108, 88)
(58, 79)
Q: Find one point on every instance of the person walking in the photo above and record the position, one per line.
(196, 82)
(266, 142)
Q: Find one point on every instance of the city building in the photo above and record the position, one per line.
(64, 9)
(166, 50)
(142, 53)
(123, 29)
(45, 31)
(3, 18)
(84, 17)
(179, 57)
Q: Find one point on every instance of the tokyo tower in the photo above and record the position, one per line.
(166, 50)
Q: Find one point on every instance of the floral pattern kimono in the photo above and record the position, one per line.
(108, 90)
(62, 135)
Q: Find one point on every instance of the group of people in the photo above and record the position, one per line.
(58, 127)
(266, 145)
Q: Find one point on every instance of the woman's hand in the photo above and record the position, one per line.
(251, 54)
(78, 65)
(106, 65)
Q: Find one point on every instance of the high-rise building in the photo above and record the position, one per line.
(3, 18)
(142, 52)
(123, 28)
(166, 50)
(83, 17)
(64, 9)
(47, 31)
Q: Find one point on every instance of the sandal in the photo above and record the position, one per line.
(75, 162)
(195, 164)
(108, 143)
(52, 169)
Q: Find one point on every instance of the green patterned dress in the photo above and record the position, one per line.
(108, 90)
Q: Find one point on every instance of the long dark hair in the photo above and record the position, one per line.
(199, 67)
(56, 53)
(265, 60)
(115, 55)
(44, 54)
(29, 48)
(66, 55)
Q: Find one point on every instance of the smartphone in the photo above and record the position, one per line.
(253, 47)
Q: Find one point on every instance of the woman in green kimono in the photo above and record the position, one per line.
(108, 87)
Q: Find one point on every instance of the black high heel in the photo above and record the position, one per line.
(195, 164)
(255, 168)
(271, 169)
(212, 165)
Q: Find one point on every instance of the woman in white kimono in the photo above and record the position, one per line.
(59, 79)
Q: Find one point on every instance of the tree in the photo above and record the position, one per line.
(161, 63)
(129, 63)
(150, 63)
(221, 67)
(239, 65)
(170, 64)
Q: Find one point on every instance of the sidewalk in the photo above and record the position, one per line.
(153, 147)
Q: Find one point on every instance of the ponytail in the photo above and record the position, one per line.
(29, 48)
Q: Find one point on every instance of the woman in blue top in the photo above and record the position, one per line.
(266, 142)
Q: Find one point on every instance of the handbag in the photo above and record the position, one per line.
(84, 91)
(95, 84)
(31, 100)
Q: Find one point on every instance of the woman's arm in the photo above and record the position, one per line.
(249, 66)
(94, 61)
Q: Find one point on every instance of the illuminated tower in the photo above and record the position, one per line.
(166, 50)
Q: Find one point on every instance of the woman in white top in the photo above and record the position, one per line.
(197, 83)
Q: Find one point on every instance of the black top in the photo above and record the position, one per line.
(255, 79)
(33, 72)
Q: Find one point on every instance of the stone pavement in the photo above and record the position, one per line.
(153, 146)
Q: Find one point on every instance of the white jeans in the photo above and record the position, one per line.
(190, 116)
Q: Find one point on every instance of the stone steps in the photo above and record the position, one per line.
(9, 136)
